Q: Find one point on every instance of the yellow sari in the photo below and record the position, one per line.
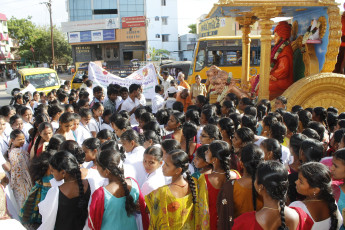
(169, 212)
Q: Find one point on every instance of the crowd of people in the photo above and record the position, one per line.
(86, 159)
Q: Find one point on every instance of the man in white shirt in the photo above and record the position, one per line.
(132, 102)
(172, 92)
(158, 100)
(28, 87)
(165, 79)
(88, 88)
(141, 97)
(85, 78)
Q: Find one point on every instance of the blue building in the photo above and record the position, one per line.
(96, 30)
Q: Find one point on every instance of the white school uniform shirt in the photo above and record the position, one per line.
(169, 102)
(97, 179)
(107, 126)
(287, 159)
(95, 126)
(133, 165)
(27, 126)
(82, 133)
(157, 103)
(325, 224)
(11, 224)
(154, 181)
(261, 138)
(142, 100)
(90, 91)
(4, 144)
(118, 102)
(55, 125)
(7, 130)
(30, 88)
(26, 129)
(128, 105)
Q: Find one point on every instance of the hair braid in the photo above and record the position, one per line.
(254, 191)
(282, 216)
(8, 151)
(332, 207)
(192, 186)
(187, 145)
(37, 143)
(225, 164)
(82, 204)
(130, 206)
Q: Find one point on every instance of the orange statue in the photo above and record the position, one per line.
(281, 61)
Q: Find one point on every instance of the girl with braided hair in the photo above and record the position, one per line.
(174, 206)
(314, 182)
(243, 188)
(65, 207)
(188, 142)
(113, 206)
(272, 184)
(218, 155)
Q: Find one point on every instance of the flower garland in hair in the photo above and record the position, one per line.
(279, 50)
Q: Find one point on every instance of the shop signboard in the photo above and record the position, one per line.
(85, 36)
(97, 35)
(130, 22)
(120, 35)
(74, 37)
(108, 35)
(89, 25)
(217, 27)
(131, 34)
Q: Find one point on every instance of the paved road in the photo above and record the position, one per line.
(5, 98)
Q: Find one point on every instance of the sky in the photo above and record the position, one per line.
(188, 11)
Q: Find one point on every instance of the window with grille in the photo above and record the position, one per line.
(165, 37)
(164, 20)
(164, 2)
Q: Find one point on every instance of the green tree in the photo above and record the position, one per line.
(192, 28)
(29, 35)
(157, 54)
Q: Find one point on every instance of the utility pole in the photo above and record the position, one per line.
(49, 6)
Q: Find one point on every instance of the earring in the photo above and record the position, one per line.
(314, 194)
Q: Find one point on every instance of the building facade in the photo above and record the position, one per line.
(5, 41)
(187, 44)
(162, 26)
(118, 31)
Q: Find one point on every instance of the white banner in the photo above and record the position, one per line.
(146, 76)
(98, 24)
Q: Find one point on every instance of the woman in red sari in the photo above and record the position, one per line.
(272, 184)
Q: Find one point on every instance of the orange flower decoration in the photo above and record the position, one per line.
(173, 206)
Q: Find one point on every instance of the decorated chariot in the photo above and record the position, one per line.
(301, 62)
